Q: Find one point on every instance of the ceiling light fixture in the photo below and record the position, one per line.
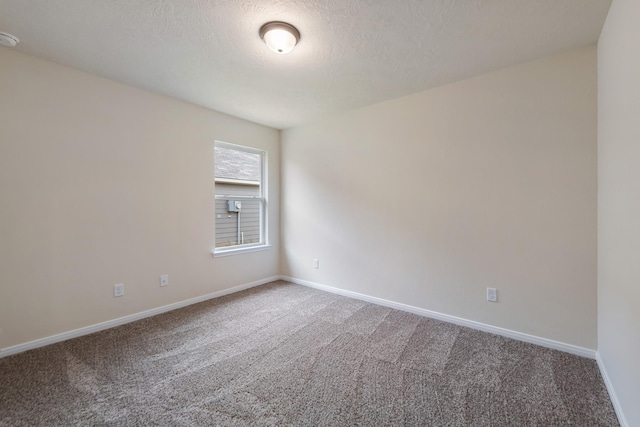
(280, 37)
(9, 40)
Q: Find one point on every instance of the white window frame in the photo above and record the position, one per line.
(264, 234)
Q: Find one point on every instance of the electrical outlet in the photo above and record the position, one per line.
(492, 295)
(164, 280)
(316, 263)
(118, 290)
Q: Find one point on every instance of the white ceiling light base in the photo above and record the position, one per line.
(9, 40)
(280, 37)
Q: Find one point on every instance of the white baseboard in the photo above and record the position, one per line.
(612, 393)
(569, 348)
(126, 319)
(556, 345)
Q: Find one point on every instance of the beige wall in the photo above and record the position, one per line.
(102, 183)
(424, 200)
(619, 204)
(429, 199)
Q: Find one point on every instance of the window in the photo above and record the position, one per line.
(240, 196)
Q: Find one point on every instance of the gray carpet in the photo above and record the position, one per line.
(283, 354)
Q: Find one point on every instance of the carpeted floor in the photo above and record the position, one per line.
(283, 354)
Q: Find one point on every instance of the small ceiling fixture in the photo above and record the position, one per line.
(280, 37)
(9, 40)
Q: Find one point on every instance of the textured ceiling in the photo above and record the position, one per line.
(351, 53)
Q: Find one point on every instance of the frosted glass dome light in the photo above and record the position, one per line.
(280, 37)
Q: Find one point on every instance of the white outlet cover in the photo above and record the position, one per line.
(492, 294)
(164, 280)
(118, 290)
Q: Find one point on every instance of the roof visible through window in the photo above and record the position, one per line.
(235, 164)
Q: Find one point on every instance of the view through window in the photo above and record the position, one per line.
(240, 214)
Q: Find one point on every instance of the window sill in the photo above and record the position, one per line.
(238, 251)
